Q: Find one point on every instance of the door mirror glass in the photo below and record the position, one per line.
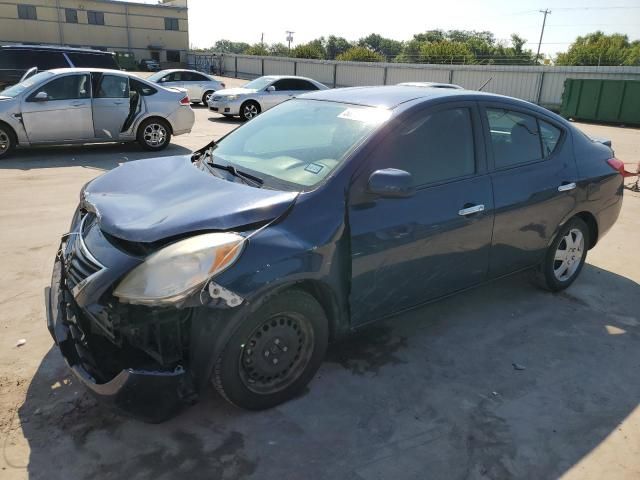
(41, 97)
(391, 183)
(271, 88)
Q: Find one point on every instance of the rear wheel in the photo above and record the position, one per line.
(565, 257)
(274, 353)
(249, 110)
(7, 141)
(154, 134)
(206, 97)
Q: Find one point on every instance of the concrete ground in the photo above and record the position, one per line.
(429, 394)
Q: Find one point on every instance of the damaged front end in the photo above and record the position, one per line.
(136, 357)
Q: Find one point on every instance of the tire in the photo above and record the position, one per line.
(205, 96)
(154, 134)
(7, 141)
(249, 109)
(274, 353)
(563, 261)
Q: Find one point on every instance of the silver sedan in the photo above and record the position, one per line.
(198, 85)
(261, 94)
(79, 105)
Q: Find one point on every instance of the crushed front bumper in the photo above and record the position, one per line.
(225, 107)
(150, 395)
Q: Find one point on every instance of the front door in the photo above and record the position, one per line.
(61, 112)
(406, 251)
(194, 83)
(110, 105)
(283, 91)
(534, 175)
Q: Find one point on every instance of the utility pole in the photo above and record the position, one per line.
(262, 39)
(546, 12)
(289, 38)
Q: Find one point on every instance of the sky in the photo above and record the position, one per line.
(246, 20)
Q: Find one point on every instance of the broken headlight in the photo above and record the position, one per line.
(173, 273)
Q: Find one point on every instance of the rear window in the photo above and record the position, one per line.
(23, 59)
(93, 60)
(142, 88)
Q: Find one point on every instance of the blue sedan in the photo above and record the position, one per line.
(238, 264)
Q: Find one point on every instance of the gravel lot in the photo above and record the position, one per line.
(429, 394)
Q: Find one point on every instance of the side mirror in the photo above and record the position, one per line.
(41, 97)
(391, 183)
(270, 88)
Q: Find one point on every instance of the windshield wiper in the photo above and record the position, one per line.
(247, 177)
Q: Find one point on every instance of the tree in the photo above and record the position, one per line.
(278, 50)
(445, 52)
(257, 49)
(599, 49)
(386, 47)
(360, 54)
(228, 46)
(308, 50)
(334, 46)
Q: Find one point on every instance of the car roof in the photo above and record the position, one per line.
(431, 84)
(280, 77)
(171, 70)
(53, 47)
(58, 71)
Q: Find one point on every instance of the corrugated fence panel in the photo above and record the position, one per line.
(320, 71)
(351, 75)
(249, 67)
(278, 67)
(522, 85)
(229, 65)
(399, 74)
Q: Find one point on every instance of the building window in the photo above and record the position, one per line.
(71, 15)
(95, 18)
(171, 24)
(173, 55)
(27, 12)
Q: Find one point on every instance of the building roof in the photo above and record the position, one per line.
(54, 47)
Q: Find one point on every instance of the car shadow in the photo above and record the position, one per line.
(225, 120)
(99, 156)
(504, 381)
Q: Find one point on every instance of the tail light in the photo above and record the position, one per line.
(223, 85)
(618, 166)
(185, 101)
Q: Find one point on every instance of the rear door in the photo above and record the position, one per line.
(110, 105)
(65, 115)
(406, 251)
(533, 175)
(195, 84)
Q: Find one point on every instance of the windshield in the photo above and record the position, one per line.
(299, 142)
(259, 83)
(17, 89)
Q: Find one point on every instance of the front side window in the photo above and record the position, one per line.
(17, 89)
(433, 147)
(514, 137)
(71, 15)
(27, 12)
(95, 18)
(113, 86)
(69, 87)
(173, 55)
(171, 24)
(259, 83)
(299, 142)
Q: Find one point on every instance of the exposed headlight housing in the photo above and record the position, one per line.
(173, 273)
(230, 97)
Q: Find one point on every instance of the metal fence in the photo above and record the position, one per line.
(539, 84)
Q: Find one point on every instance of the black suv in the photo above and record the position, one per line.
(15, 60)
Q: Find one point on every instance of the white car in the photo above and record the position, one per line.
(199, 86)
(91, 105)
(261, 94)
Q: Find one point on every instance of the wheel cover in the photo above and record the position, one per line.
(568, 255)
(4, 142)
(154, 134)
(276, 353)
(250, 111)
(207, 97)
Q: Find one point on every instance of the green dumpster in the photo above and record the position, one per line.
(614, 101)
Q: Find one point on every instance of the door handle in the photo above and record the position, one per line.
(118, 103)
(565, 187)
(76, 104)
(470, 210)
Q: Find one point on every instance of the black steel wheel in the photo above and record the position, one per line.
(274, 353)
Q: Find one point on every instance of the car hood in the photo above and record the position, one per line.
(158, 198)
(235, 91)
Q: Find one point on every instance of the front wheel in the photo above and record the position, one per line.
(7, 141)
(274, 353)
(154, 134)
(565, 257)
(249, 110)
(206, 97)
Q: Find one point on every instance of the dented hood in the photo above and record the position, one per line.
(157, 198)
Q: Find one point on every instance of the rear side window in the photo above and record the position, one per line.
(141, 88)
(113, 86)
(434, 147)
(514, 137)
(550, 136)
(92, 60)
